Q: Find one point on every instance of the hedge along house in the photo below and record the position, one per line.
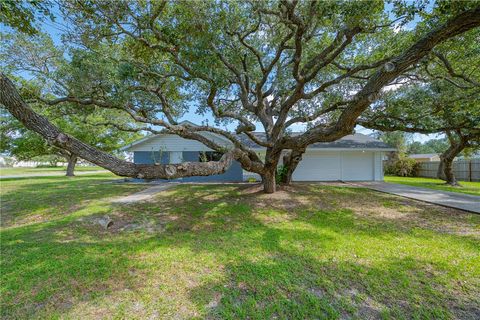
(355, 157)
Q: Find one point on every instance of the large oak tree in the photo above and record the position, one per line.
(273, 65)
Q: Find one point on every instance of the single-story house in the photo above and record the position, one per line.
(425, 157)
(355, 157)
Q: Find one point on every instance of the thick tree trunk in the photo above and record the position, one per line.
(445, 171)
(268, 179)
(290, 163)
(272, 157)
(12, 101)
(72, 161)
(445, 168)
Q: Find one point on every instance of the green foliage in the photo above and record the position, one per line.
(395, 139)
(418, 147)
(251, 180)
(22, 15)
(430, 146)
(37, 54)
(281, 174)
(158, 60)
(403, 167)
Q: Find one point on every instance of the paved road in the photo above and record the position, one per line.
(443, 198)
(51, 174)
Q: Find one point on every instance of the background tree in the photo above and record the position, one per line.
(24, 15)
(24, 144)
(271, 64)
(396, 139)
(430, 146)
(38, 64)
(444, 96)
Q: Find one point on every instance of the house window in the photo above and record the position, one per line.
(205, 156)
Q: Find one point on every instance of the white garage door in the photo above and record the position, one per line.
(325, 166)
(357, 166)
(332, 166)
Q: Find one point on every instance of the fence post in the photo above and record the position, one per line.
(470, 170)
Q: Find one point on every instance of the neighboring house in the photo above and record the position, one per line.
(353, 158)
(425, 157)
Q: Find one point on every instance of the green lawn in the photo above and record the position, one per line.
(28, 171)
(232, 252)
(466, 187)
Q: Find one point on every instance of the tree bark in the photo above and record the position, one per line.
(290, 163)
(10, 98)
(268, 179)
(445, 168)
(72, 161)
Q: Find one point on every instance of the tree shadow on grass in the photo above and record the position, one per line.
(222, 257)
(296, 287)
(25, 202)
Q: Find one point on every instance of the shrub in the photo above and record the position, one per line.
(251, 179)
(403, 167)
(281, 173)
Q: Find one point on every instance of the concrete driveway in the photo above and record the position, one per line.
(443, 198)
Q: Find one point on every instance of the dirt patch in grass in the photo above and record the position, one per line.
(406, 213)
(412, 214)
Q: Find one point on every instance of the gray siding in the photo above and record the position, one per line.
(149, 157)
(234, 173)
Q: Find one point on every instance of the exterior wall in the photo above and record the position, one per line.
(173, 142)
(319, 166)
(234, 173)
(378, 166)
(357, 165)
(332, 165)
(149, 157)
(341, 165)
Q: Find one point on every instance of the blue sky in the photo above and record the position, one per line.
(55, 30)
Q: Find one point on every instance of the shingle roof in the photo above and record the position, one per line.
(352, 141)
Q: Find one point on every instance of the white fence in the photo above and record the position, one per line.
(464, 170)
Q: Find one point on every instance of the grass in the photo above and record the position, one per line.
(231, 252)
(437, 184)
(28, 171)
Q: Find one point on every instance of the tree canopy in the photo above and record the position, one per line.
(39, 57)
(441, 96)
(271, 65)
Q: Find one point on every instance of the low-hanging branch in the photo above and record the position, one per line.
(249, 73)
(10, 98)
